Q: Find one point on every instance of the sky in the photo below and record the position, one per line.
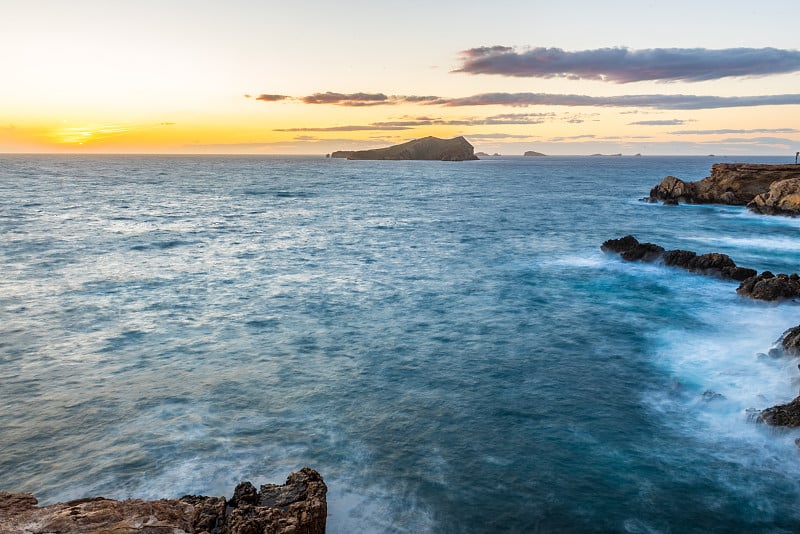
(263, 77)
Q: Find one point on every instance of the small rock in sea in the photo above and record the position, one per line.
(709, 395)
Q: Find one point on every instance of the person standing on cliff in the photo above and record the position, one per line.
(795, 157)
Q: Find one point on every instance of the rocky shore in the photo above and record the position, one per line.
(764, 286)
(768, 189)
(297, 507)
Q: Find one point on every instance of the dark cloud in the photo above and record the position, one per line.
(343, 99)
(624, 65)
(734, 132)
(671, 102)
(665, 122)
(270, 98)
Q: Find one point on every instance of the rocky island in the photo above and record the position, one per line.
(768, 189)
(533, 153)
(296, 507)
(427, 148)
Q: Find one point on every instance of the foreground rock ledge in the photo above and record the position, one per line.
(297, 507)
(768, 189)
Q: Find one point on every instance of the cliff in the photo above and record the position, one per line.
(297, 507)
(427, 148)
(771, 189)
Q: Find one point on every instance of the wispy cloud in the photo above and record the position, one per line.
(363, 99)
(270, 98)
(657, 101)
(480, 136)
(347, 128)
(665, 122)
(737, 132)
(625, 65)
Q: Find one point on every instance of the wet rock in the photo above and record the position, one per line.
(768, 286)
(787, 415)
(631, 250)
(787, 345)
(714, 264)
(297, 507)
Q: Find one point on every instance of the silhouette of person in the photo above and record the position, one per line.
(795, 157)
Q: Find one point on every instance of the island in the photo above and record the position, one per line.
(427, 148)
(532, 153)
(767, 189)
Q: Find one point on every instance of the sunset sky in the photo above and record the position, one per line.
(262, 77)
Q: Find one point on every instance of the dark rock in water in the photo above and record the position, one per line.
(783, 198)
(302, 509)
(782, 415)
(767, 286)
(787, 345)
(631, 250)
(427, 148)
(709, 396)
(714, 264)
(736, 184)
(533, 154)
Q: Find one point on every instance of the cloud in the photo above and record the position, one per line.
(348, 128)
(270, 98)
(363, 99)
(499, 136)
(657, 101)
(666, 122)
(734, 132)
(624, 65)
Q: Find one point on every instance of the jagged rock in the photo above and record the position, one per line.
(768, 286)
(714, 264)
(729, 183)
(788, 344)
(783, 198)
(299, 508)
(782, 415)
(427, 148)
(631, 250)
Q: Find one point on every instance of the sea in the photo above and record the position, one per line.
(444, 342)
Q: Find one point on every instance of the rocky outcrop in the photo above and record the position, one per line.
(782, 415)
(427, 148)
(729, 183)
(297, 507)
(783, 198)
(713, 264)
(768, 286)
(533, 154)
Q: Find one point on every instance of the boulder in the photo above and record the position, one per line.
(730, 183)
(782, 415)
(783, 198)
(788, 344)
(768, 286)
(297, 507)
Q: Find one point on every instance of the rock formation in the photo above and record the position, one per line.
(768, 286)
(714, 264)
(735, 184)
(427, 148)
(783, 198)
(531, 153)
(297, 507)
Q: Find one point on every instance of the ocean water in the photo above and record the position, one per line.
(444, 342)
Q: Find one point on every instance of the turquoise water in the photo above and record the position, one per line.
(444, 342)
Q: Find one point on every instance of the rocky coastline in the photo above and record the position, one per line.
(767, 189)
(297, 507)
(764, 286)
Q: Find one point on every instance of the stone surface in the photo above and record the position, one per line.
(297, 507)
(427, 148)
(768, 286)
(782, 415)
(729, 183)
(714, 264)
(783, 198)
